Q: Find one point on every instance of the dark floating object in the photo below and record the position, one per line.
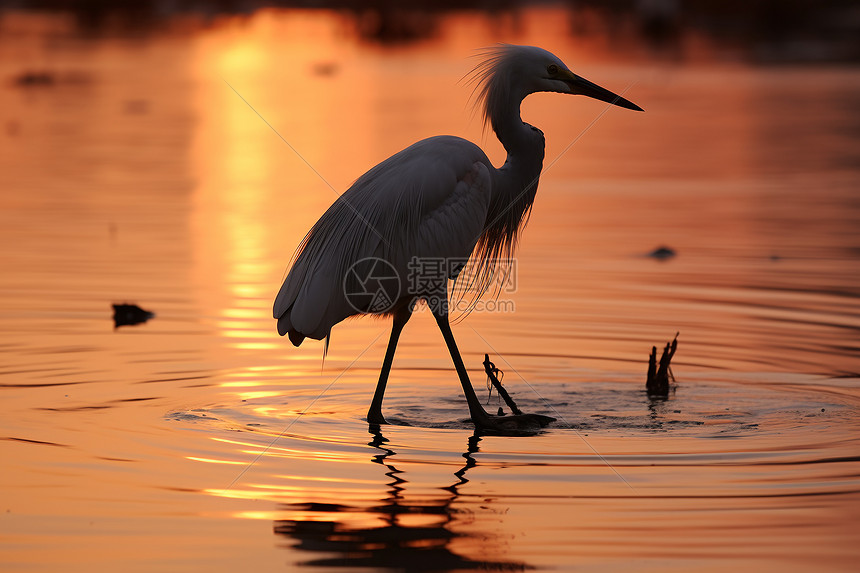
(659, 377)
(662, 253)
(324, 68)
(136, 107)
(48, 78)
(35, 78)
(129, 314)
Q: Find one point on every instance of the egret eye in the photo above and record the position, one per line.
(552, 69)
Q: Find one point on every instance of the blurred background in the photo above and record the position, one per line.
(765, 32)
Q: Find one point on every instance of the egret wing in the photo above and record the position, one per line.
(428, 202)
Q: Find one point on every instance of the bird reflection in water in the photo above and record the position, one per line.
(397, 544)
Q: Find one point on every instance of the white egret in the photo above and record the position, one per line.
(440, 199)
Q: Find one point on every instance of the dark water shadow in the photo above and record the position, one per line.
(396, 544)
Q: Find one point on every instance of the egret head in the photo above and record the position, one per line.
(509, 73)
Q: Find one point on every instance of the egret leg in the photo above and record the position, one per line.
(476, 411)
(480, 417)
(374, 414)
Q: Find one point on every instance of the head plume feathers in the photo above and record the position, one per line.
(502, 79)
(491, 79)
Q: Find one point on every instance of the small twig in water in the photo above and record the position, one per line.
(493, 378)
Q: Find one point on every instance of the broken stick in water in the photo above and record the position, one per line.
(493, 378)
(657, 384)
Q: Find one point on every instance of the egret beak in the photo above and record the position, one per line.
(582, 86)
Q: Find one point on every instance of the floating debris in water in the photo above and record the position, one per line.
(662, 253)
(35, 78)
(47, 78)
(324, 68)
(136, 107)
(191, 416)
(494, 380)
(657, 383)
(128, 314)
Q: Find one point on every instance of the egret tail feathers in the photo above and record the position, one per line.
(285, 326)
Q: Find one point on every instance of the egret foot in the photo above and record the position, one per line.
(376, 418)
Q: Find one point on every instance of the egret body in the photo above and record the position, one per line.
(441, 199)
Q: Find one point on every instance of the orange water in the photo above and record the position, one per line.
(203, 440)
